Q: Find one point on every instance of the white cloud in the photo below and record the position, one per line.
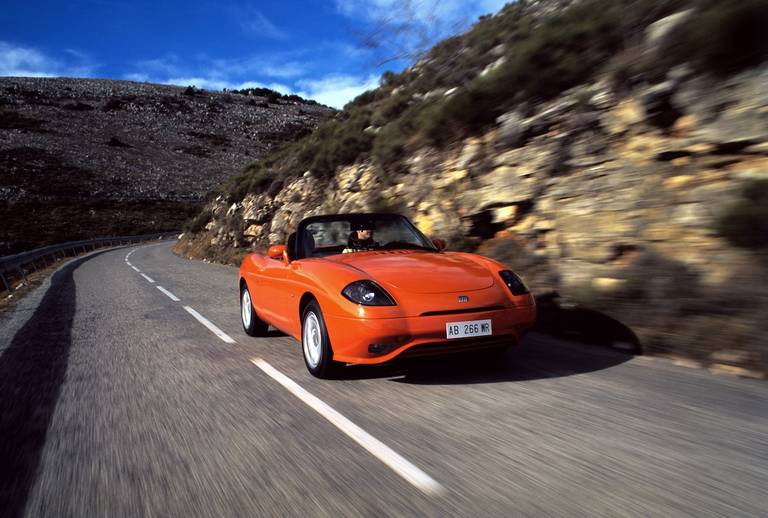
(207, 82)
(254, 22)
(426, 11)
(216, 74)
(336, 90)
(166, 65)
(28, 62)
(138, 77)
(286, 70)
(21, 61)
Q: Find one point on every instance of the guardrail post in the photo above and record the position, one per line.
(22, 272)
(5, 282)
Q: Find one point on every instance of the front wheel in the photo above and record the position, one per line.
(252, 324)
(318, 355)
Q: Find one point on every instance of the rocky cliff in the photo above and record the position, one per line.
(82, 158)
(633, 200)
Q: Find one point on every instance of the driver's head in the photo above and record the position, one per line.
(363, 229)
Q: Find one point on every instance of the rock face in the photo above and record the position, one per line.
(98, 157)
(604, 207)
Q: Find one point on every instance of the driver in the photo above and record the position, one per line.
(361, 237)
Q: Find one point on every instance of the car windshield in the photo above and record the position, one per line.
(360, 232)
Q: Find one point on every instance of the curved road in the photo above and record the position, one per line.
(116, 400)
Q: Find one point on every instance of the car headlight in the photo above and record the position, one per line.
(367, 293)
(513, 282)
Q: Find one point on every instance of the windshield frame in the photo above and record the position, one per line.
(428, 245)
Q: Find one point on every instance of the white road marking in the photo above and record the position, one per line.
(375, 447)
(135, 268)
(378, 449)
(128, 263)
(169, 294)
(128, 255)
(150, 279)
(207, 323)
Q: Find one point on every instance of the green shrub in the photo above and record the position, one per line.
(363, 99)
(389, 145)
(338, 142)
(721, 38)
(390, 109)
(564, 51)
(197, 224)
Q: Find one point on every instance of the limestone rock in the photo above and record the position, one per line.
(626, 114)
(607, 284)
(511, 131)
(657, 33)
(253, 231)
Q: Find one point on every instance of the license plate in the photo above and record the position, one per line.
(468, 328)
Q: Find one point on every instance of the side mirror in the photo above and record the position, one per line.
(278, 252)
(439, 243)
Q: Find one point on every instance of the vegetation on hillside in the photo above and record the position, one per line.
(513, 60)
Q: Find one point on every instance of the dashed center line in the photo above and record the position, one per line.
(169, 294)
(378, 449)
(210, 325)
(374, 446)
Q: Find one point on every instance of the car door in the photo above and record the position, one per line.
(270, 283)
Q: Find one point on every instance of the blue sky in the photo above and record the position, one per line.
(309, 47)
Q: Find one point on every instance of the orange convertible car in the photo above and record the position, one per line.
(366, 288)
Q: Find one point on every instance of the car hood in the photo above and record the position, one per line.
(419, 272)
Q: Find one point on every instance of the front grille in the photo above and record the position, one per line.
(460, 311)
(455, 346)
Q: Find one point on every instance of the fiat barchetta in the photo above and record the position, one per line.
(367, 288)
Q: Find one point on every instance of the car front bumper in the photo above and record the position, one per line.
(377, 340)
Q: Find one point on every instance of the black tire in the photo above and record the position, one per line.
(252, 324)
(315, 344)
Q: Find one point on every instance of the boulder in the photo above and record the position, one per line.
(659, 107)
(469, 153)
(626, 114)
(511, 132)
(662, 31)
(253, 231)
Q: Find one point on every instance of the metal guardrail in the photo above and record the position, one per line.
(19, 264)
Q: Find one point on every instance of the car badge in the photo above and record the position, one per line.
(463, 298)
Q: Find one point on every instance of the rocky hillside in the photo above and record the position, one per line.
(84, 158)
(616, 154)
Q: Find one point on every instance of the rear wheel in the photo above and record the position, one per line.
(315, 345)
(252, 324)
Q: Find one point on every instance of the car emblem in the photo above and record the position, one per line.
(463, 298)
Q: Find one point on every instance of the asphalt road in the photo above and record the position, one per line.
(115, 401)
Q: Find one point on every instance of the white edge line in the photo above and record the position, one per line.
(128, 263)
(207, 323)
(375, 447)
(168, 294)
(132, 266)
(150, 279)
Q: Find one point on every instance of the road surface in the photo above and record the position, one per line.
(118, 399)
